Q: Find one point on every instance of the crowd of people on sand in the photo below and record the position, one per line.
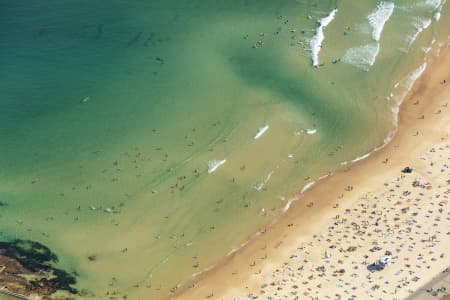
(405, 223)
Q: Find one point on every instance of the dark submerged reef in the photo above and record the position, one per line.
(21, 257)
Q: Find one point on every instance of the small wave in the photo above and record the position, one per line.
(415, 75)
(437, 14)
(362, 57)
(433, 4)
(361, 157)
(261, 131)
(288, 205)
(234, 250)
(408, 82)
(406, 85)
(311, 131)
(203, 271)
(379, 17)
(324, 176)
(420, 25)
(214, 164)
(258, 186)
(316, 42)
(307, 187)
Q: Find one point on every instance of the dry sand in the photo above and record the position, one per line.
(323, 246)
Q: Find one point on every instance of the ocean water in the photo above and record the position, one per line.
(157, 136)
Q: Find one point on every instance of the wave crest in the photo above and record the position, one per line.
(379, 17)
(316, 41)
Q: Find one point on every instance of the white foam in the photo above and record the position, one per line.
(420, 25)
(361, 157)
(214, 164)
(203, 271)
(406, 85)
(261, 131)
(433, 4)
(362, 57)
(379, 17)
(258, 186)
(316, 42)
(437, 14)
(413, 76)
(324, 176)
(288, 205)
(234, 250)
(307, 186)
(311, 131)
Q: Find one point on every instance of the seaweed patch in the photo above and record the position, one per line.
(27, 269)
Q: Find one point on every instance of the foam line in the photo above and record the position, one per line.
(214, 165)
(406, 85)
(316, 41)
(437, 14)
(261, 131)
(307, 186)
(413, 76)
(379, 17)
(420, 25)
(361, 157)
(288, 205)
(258, 186)
(433, 4)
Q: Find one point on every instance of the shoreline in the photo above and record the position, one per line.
(317, 204)
(440, 280)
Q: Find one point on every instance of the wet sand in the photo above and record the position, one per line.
(323, 246)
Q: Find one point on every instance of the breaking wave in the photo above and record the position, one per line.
(379, 17)
(316, 41)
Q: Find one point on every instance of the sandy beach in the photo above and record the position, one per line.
(325, 245)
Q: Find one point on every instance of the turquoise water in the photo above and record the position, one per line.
(114, 112)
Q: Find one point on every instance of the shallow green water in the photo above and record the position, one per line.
(111, 111)
(6, 297)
